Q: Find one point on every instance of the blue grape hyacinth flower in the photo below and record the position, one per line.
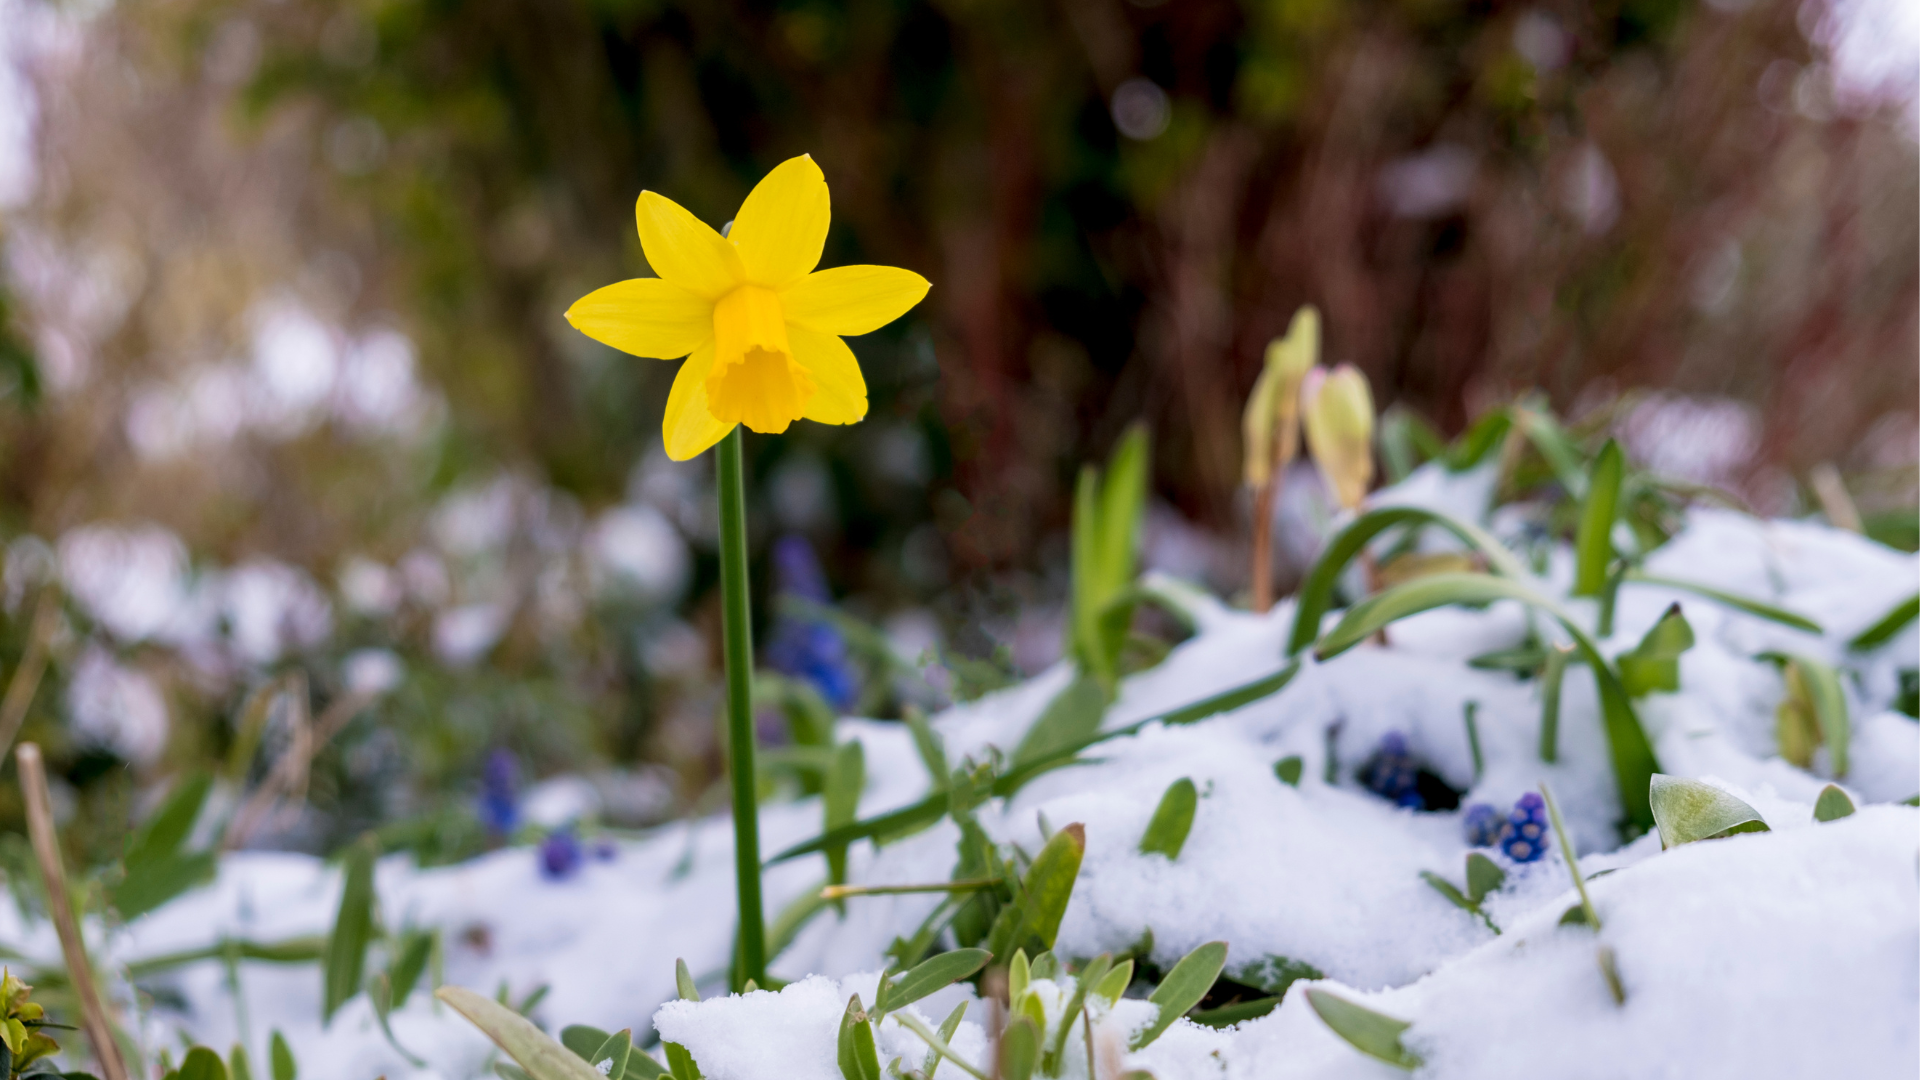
(1526, 834)
(1484, 825)
(560, 855)
(1392, 773)
(499, 804)
(812, 650)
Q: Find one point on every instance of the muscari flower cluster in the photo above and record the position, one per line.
(812, 650)
(1522, 833)
(499, 806)
(1392, 772)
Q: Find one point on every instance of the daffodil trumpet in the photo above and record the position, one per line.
(761, 330)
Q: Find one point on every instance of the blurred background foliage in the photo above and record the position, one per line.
(284, 386)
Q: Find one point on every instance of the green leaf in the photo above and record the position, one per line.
(1654, 664)
(1593, 542)
(1182, 989)
(1552, 674)
(1167, 831)
(527, 1045)
(1832, 805)
(1633, 757)
(1225, 701)
(1884, 629)
(1371, 1033)
(151, 883)
(1123, 501)
(858, 1057)
(1747, 604)
(1229, 1015)
(1113, 985)
(1044, 892)
(1478, 441)
(683, 982)
(1814, 693)
(641, 1066)
(202, 1064)
(680, 1063)
(1288, 769)
(1019, 975)
(1316, 592)
(1688, 810)
(352, 928)
(1275, 973)
(947, 1027)
(846, 779)
(934, 974)
(582, 1039)
(167, 830)
(616, 1051)
(1019, 1049)
(1087, 978)
(280, 1058)
(1069, 720)
(404, 972)
(237, 1064)
(928, 744)
(1484, 877)
(1555, 447)
(1449, 890)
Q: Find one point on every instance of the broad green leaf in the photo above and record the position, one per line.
(934, 974)
(1654, 664)
(1113, 985)
(1182, 989)
(527, 1045)
(1048, 884)
(1275, 973)
(1046, 966)
(352, 928)
(1288, 769)
(1632, 754)
(404, 972)
(1884, 629)
(280, 1058)
(1167, 831)
(1747, 604)
(238, 1066)
(1069, 720)
(1019, 975)
(152, 882)
(858, 1057)
(1228, 1015)
(846, 779)
(202, 1064)
(680, 1063)
(1832, 805)
(1484, 877)
(683, 982)
(582, 1039)
(1593, 542)
(641, 1066)
(615, 1051)
(1688, 810)
(1371, 1033)
(1019, 1049)
(1316, 593)
(1818, 706)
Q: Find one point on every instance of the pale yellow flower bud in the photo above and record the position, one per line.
(1271, 424)
(1338, 409)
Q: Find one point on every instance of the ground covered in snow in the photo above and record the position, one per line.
(1794, 952)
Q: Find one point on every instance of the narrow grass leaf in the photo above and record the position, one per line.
(352, 928)
(1748, 604)
(1654, 664)
(403, 974)
(1167, 831)
(1087, 978)
(1552, 674)
(280, 1058)
(846, 778)
(683, 982)
(1374, 1034)
(858, 1057)
(527, 1045)
(1884, 629)
(1113, 985)
(1182, 989)
(1593, 541)
(933, 975)
(1069, 720)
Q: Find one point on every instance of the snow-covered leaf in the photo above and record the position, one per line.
(1688, 810)
(1371, 1033)
(1832, 805)
(1182, 989)
(540, 1056)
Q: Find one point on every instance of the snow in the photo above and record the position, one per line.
(1790, 953)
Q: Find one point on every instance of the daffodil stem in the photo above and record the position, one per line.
(737, 631)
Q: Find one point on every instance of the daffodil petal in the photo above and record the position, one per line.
(689, 428)
(840, 391)
(782, 226)
(685, 250)
(645, 317)
(852, 299)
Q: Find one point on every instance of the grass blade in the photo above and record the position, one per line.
(1883, 630)
(1374, 1034)
(352, 928)
(1593, 542)
(935, 974)
(540, 1056)
(1167, 832)
(1747, 604)
(1182, 989)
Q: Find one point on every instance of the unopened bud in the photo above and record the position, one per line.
(1272, 421)
(1338, 410)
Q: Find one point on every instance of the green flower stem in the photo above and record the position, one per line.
(737, 630)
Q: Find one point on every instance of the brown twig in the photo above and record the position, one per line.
(290, 773)
(46, 849)
(33, 665)
(1264, 499)
(1831, 491)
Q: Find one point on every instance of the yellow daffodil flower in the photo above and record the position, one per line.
(760, 328)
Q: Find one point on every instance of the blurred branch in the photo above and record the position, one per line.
(33, 665)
